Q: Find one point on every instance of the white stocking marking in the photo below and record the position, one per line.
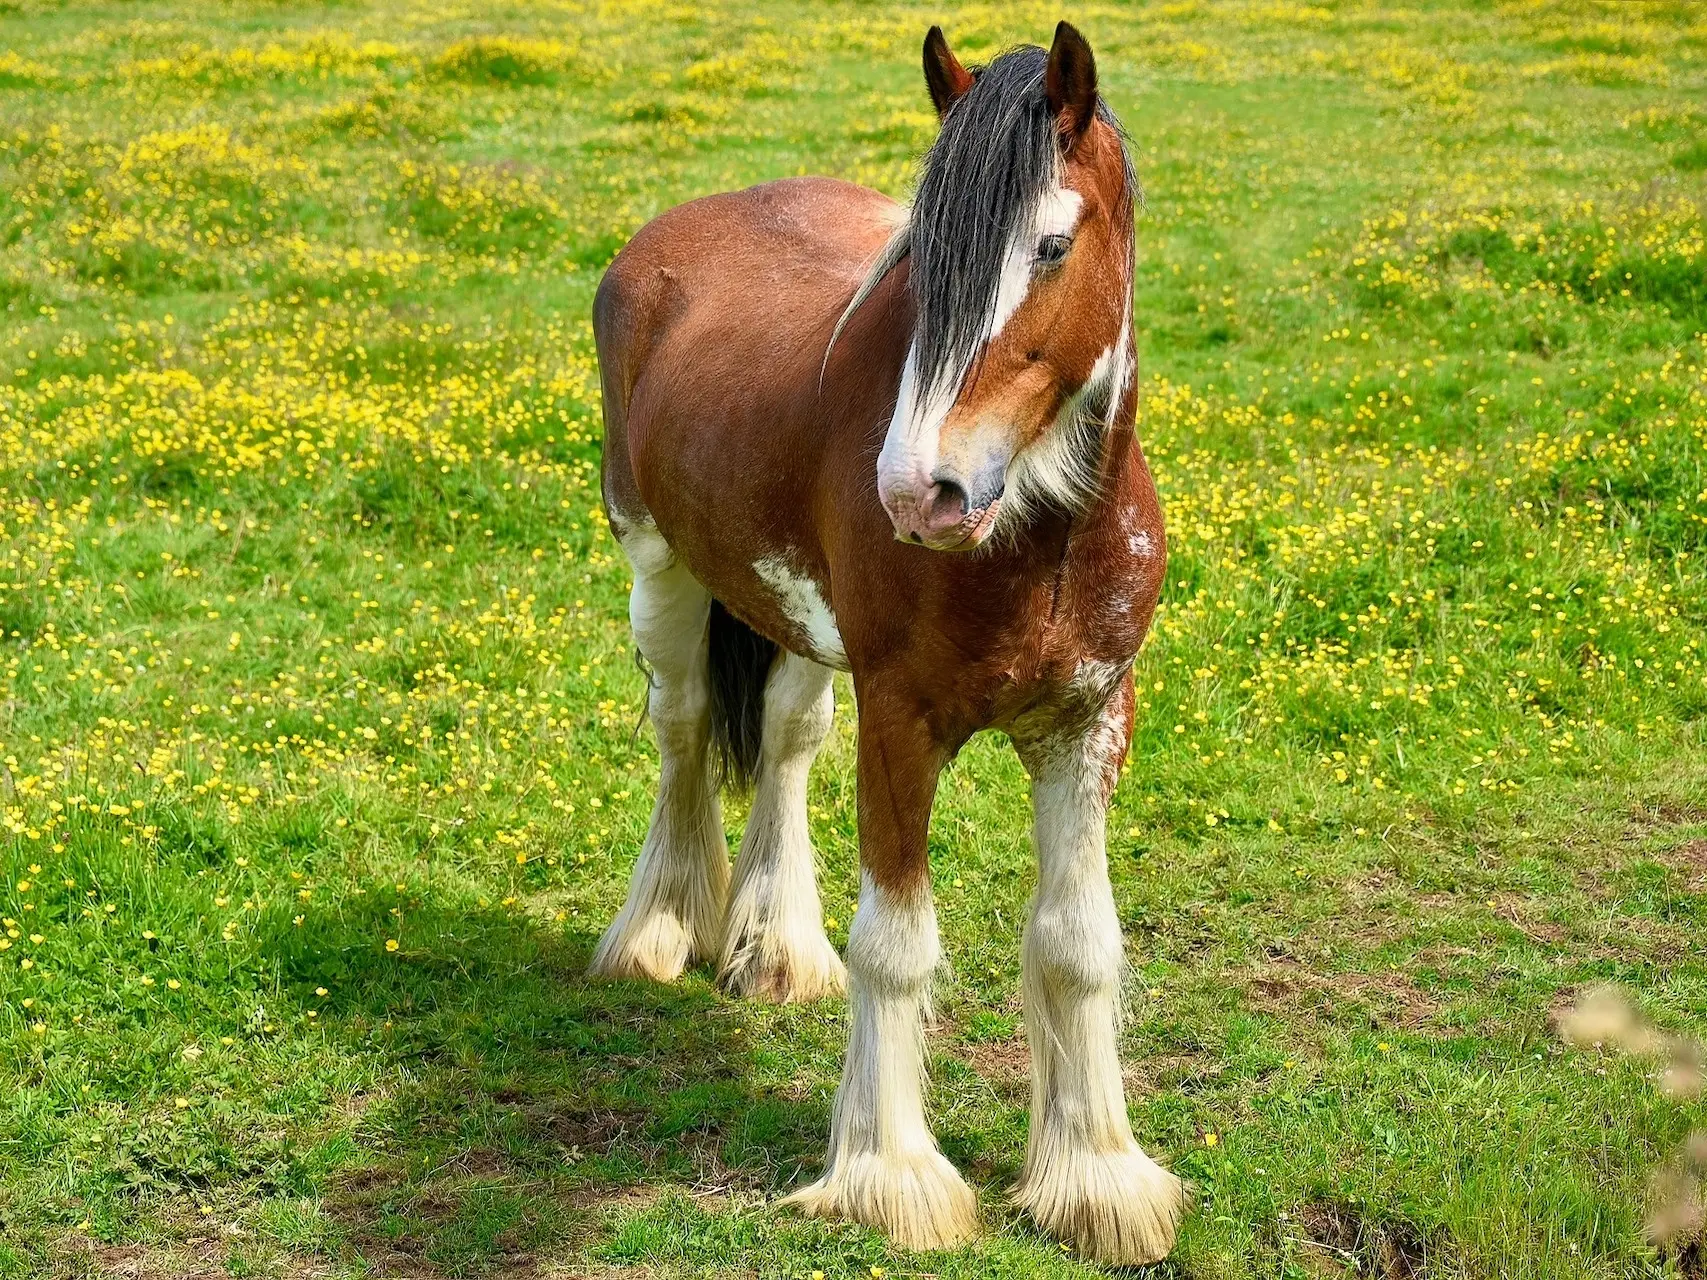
(674, 910)
(775, 946)
(1085, 1177)
(884, 1168)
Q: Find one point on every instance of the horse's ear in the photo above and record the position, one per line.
(948, 80)
(1070, 83)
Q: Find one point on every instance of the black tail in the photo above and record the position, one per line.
(740, 663)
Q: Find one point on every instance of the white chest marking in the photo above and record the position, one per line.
(804, 605)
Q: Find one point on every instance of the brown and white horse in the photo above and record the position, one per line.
(813, 399)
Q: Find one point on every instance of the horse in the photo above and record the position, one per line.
(846, 435)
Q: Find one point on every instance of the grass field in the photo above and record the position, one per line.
(318, 753)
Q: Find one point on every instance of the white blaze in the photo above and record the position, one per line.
(911, 444)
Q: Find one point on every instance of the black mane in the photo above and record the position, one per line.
(996, 156)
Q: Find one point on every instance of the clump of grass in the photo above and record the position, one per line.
(504, 60)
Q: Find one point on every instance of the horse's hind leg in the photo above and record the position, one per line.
(774, 947)
(674, 910)
(1085, 1177)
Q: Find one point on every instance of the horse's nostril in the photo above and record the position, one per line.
(948, 503)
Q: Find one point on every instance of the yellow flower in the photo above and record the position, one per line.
(1211, 1139)
(391, 944)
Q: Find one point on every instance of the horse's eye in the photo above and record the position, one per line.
(1052, 250)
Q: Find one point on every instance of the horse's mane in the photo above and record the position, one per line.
(997, 154)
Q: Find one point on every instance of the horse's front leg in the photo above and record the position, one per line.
(1085, 1179)
(884, 1168)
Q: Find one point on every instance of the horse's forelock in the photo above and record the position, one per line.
(991, 164)
(996, 156)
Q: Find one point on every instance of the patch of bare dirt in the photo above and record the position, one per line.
(1662, 815)
(1443, 955)
(139, 1262)
(205, 1259)
(1520, 913)
(1005, 1065)
(577, 1128)
(1691, 859)
(1390, 997)
(579, 1131)
(1378, 885)
(196, 1258)
(390, 1255)
(1186, 1073)
(1343, 1234)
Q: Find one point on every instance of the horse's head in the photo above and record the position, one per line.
(1019, 250)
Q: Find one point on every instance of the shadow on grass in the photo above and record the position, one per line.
(532, 1108)
(540, 1119)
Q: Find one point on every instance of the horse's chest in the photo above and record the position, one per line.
(1108, 593)
(1073, 647)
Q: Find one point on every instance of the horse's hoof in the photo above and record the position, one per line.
(774, 971)
(1118, 1208)
(656, 946)
(918, 1199)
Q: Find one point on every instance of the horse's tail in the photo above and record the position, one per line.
(740, 664)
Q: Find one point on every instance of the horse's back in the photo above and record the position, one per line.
(712, 325)
(765, 264)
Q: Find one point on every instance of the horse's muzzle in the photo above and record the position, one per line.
(937, 513)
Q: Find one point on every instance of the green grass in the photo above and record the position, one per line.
(315, 642)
